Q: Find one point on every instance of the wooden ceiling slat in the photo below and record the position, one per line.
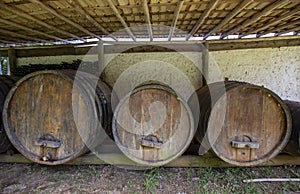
(31, 30)
(212, 4)
(256, 17)
(236, 10)
(287, 31)
(77, 6)
(274, 21)
(65, 19)
(103, 17)
(29, 17)
(23, 36)
(148, 19)
(281, 27)
(115, 10)
(175, 19)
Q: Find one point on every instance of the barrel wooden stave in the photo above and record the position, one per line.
(6, 83)
(293, 146)
(42, 121)
(252, 113)
(138, 122)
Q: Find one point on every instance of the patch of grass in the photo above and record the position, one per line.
(130, 186)
(188, 174)
(151, 179)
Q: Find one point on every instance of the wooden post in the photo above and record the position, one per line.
(205, 63)
(12, 60)
(100, 56)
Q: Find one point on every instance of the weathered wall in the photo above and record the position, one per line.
(53, 59)
(276, 68)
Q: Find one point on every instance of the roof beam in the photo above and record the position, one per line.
(273, 22)
(31, 30)
(255, 17)
(231, 14)
(80, 9)
(6, 41)
(212, 4)
(175, 19)
(118, 15)
(31, 18)
(278, 28)
(148, 19)
(287, 31)
(65, 19)
(23, 36)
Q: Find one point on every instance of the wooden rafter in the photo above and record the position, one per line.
(30, 30)
(175, 19)
(296, 29)
(274, 21)
(212, 4)
(6, 41)
(160, 4)
(65, 19)
(148, 19)
(254, 18)
(23, 36)
(13, 39)
(118, 15)
(78, 8)
(234, 12)
(279, 28)
(31, 18)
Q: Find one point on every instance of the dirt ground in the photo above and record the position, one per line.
(35, 178)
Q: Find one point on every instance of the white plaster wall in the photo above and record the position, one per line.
(171, 68)
(276, 68)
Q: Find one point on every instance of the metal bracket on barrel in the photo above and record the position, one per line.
(48, 141)
(243, 144)
(151, 141)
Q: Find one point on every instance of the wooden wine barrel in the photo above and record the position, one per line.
(244, 124)
(293, 146)
(46, 111)
(6, 83)
(152, 125)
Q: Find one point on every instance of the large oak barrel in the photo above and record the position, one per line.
(293, 146)
(152, 125)
(244, 124)
(49, 115)
(6, 83)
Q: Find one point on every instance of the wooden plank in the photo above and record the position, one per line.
(183, 161)
(175, 18)
(31, 30)
(12, 60)
(287, 31)
(255, 17)
(205, 63)
(63, 18)
(11, 33)
(118, 15)
(29, 17)
(116, 47)
(236, 10)
(273, 22)
(203, 16)
(100, 56)
(148, 19)
(78, 8)
(279, 28)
